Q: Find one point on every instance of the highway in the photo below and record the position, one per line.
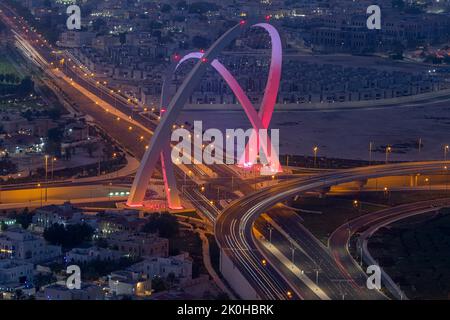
(313, 256)
(367, 225)
(234, 225)
(111, 111)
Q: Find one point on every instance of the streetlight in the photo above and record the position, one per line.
(46, 175)
(427, 180)
(357, 205)
(292, 253)
(315, 149)
(317, 270)
(446, 178)
(370, 152)
(388, 150)
(446, 147)
(270, 228)
(53, 160)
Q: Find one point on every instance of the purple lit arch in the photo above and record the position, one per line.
(159, 144)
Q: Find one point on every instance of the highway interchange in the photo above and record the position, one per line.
(235, 225)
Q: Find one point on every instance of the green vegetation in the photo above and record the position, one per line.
(414, 252)
(23, 88)
(7, 166)
(7, 71)
(97, 268)
(3, 226)
(68, 236)
(158, 284)
(11, 82)
(165, 224)
(41, 280)
(24, 218)
(395, 198)
(47, 25)
(333, 210)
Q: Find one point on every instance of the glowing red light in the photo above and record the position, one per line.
(242, 22)
(176, 57)
(202, 51)
(204, 60)
(268, 17)
(163, 110)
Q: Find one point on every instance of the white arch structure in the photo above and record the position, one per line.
(159, 146)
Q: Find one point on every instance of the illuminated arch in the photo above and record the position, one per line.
(159, 144)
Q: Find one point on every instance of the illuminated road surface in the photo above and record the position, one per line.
(233, 228)
(340, 238)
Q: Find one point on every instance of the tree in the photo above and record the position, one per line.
(91, 148)
(165, 224)
(54, 136)
(26, 86)
(158, 284)
(166, 8)
(54, 113)
(70, 236)
(24, 219)
(3, 226)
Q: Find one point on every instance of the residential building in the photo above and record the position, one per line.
(179, 266)
(61, 292)
(13, 273)
(64, 214)
(20, 244)
(86, 255)
(127, 283)
(139, 244)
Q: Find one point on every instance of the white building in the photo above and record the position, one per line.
(180, 266)
(13, 273)
(22, 245)
(61, 292)
(127, 283)
(85, 255)
(64, 214)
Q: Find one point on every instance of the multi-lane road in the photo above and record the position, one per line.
(131, 128)
(234, 226)
(368, 224)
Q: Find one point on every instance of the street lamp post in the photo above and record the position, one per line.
(315, 149)
(388, 150)
(446, 148)
(370, 152)
(53, 160)
(270, 228)
(292, 253)
(46, 176)
(446, 178)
